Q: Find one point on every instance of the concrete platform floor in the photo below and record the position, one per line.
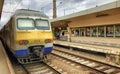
(5, 65)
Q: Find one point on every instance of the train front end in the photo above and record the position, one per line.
(34, 39)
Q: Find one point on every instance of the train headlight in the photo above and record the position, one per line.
(21, 42)
(48, 41)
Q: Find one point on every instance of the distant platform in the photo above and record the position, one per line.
(96, 48)
(5, 65)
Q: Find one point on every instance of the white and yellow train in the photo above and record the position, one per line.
(28, 35)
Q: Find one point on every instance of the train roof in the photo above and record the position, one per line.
(27, 12)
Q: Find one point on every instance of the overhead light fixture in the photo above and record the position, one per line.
(102, 15)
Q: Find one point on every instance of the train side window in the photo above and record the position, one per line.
(82, 31)
(93, 31)
(88, 31)
(101, 31)
(117, 31)
(109, 31)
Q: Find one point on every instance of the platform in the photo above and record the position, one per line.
(5, 65)
(96, 48)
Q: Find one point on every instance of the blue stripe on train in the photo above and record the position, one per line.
(47, 50)
(21, 53)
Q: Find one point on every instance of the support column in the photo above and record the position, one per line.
(54, 9)
(69, 33)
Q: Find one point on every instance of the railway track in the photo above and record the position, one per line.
(37, 68)
(97, 66)
(19, 69)
(33, 68)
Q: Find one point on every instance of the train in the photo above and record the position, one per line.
(28, 35)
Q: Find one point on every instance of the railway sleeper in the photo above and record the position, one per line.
(47, 58)
(113, 58)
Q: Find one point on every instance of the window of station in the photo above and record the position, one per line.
(82, 31)
(109, 31)
(117, 30)
(101, 31)
(75, 31)
(93, 31)
(88, 31)
(64, 28)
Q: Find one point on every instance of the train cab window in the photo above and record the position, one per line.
(42, 24)
(117, 31)
(82, 31)
(25, 24)
(88, 31)
(101, 31)
(109, 31)
(93, 31)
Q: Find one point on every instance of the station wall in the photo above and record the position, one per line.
(92, 25)
(114, 19)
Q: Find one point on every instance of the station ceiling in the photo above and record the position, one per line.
(1, 6)
(100, 11)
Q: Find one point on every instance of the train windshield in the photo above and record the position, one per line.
(25, 24)
(42, 24)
